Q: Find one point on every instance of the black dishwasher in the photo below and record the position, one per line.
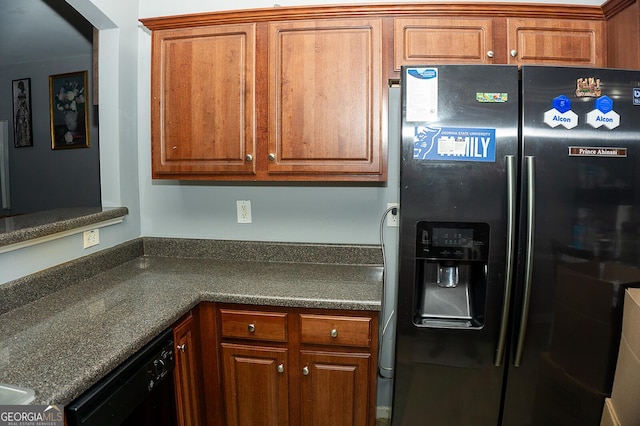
(139, 392)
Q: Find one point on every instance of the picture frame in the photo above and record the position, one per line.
(69, 111)
(22, 118)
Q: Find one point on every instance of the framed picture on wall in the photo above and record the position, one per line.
(69, 114)
(22, 124)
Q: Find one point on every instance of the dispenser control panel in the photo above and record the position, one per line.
(452, 240)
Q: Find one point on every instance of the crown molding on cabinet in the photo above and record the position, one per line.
(612, 7)
(527, 10)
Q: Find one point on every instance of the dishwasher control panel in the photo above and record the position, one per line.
(162, 364)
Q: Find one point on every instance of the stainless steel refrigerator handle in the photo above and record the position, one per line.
(528, 268)
(508, 270)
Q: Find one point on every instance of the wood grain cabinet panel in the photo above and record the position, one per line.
(254, 325)
(186, 374)
(324, 374)
(203, 100)
(556, 42)
(335, 330)
(325, 98)
(335, 388)
(623, 34)
(573, 42)
(419, 41)
(256, 386)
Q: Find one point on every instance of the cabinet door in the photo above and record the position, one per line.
(335, 389)
(556, 42)
(203, 101)
(255, 385)
(325, 98)
(423, 41)
(186, 374)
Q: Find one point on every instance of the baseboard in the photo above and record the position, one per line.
(383, 412)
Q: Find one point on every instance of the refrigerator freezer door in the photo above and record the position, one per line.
(586, 155)
(457, 134)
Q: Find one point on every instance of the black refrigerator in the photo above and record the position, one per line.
(519, 231)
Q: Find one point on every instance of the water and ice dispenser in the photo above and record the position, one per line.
(451, 274)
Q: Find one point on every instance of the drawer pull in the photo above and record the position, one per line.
(251, 328)
(181, 347)
(280, 368)
(305, 370)
(334, 333)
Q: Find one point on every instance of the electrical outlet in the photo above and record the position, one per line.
(243, 211)
(392, 219)
(90, 238)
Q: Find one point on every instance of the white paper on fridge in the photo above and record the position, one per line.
(421, 94)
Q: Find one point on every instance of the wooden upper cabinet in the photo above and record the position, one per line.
(203, 100)
(325, 99)
(298, 94)
(419, 41)
(556, 42)
(441, 40)
(623, 34)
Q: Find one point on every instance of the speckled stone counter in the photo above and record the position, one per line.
(61, 344)
(17, 229)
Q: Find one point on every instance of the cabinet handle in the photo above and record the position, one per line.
(280, 368)
(334, 333)
(181, 347)
(514, 53)
(251, 328)
(305, 370)
(272, 157)
(249, 158)
(490, 54)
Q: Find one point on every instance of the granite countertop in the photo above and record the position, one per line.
(21, 228)
(61, 344)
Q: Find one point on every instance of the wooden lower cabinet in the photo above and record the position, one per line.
(255, 385)
(335, 388)
(186, 373)
(319, 369)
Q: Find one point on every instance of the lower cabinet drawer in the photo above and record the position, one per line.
(335, 330)
(254, 325)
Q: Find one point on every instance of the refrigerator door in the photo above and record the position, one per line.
(459, 129)
(580, 196)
